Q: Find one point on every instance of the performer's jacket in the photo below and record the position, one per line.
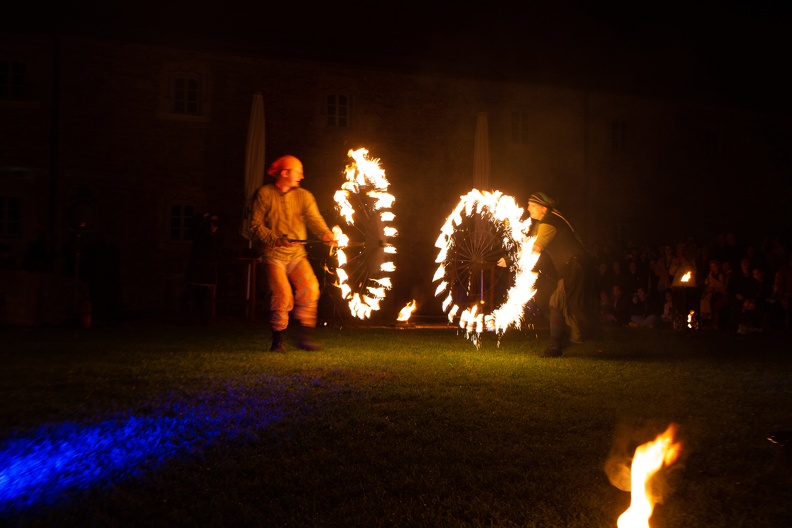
(565, 247)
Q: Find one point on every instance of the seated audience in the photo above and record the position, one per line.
(619, 307)
(645, 311)
(713, 297)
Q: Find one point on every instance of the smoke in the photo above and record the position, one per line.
(617, 466)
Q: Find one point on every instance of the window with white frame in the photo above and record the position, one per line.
(185, 92)
(10, 215)
(337, 110)
(180, 222)
(187, 96)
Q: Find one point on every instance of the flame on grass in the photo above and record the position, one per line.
(364, 177)
(503, 213)
(649, 458)
(406, 312)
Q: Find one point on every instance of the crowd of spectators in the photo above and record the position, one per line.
(729, 284)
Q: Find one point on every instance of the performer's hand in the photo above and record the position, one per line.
(283, 242)
(329, 239)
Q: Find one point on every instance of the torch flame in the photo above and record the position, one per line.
(686, 277)
(649, 458)
(406, 312)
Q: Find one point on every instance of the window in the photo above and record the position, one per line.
(337, 110)
(618, 135)
(185, 92)
(10, 216)
(12, 80)
(181, 216)
(186, 96)
(519, 127)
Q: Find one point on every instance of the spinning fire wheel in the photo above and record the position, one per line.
(482, 229)
(473, 263)
(363, 204)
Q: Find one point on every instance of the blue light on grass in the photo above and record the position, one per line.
(44, 466)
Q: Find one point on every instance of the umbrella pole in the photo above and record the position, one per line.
(247, 290)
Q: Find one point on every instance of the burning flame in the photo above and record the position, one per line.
(406, 312)
(649, 458)
(504, 212)
(364, 175)
(686, 277)
(692, 321)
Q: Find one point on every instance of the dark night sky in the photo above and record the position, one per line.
(734, 50)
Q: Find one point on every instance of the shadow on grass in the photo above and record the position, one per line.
(638, 344)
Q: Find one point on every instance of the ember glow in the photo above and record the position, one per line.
(649, 458)
(364, 204)
(406, 312)
(498, 220)
(692, 321)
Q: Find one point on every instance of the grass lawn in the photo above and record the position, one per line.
(157, 425)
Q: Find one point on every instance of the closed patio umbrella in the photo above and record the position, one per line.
(254, 162)
(254, 178)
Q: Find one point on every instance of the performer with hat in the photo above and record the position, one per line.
(282, 214)
(569, 301)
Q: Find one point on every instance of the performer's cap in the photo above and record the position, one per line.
(284, 163)
(541, 198)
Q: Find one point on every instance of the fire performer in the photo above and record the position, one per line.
(282, 213)
(569, 300)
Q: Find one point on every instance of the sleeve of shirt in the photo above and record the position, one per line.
(313, 219)
(544, 235)
(257, 225)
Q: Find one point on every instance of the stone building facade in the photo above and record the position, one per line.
(113, 144)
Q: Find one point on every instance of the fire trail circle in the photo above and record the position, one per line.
(484, 228)
(363, 269)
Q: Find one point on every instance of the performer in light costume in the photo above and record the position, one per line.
(282, 214)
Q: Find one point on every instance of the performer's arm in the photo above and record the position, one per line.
(316, 223)
(258, 227)
(544, 234)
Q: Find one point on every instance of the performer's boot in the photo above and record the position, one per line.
(305, 338)
(557, 328)
(277, 341)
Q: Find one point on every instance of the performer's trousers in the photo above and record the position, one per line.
(293, 286)
(567, 306)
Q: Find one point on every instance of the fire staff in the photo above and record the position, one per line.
(282, 214)
(556, 238)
